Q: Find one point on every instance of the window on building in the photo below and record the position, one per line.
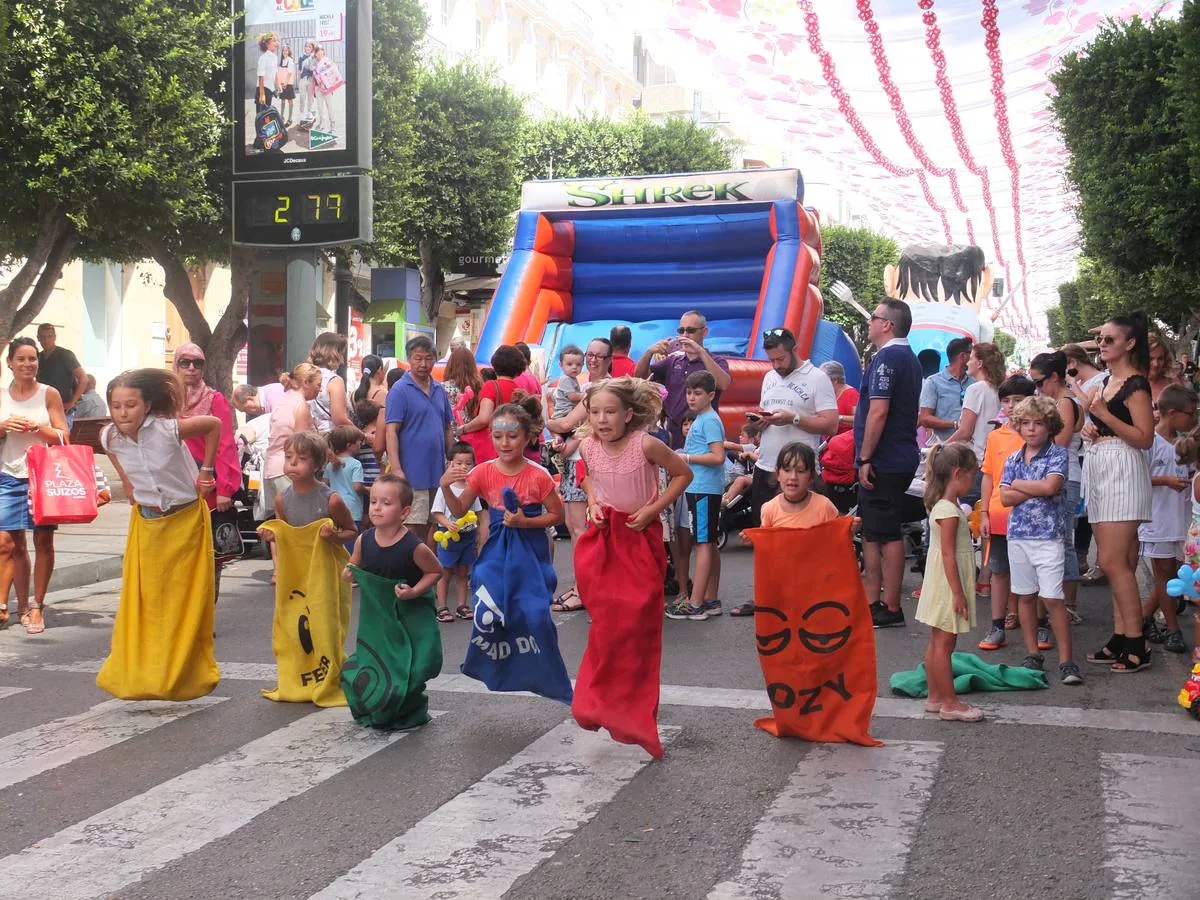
(445, 12)
(479, 34)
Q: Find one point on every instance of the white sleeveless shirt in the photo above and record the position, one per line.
(15, 443)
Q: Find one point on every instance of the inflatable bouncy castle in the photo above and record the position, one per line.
(944, 285)
(739, 247)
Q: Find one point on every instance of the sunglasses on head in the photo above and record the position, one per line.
(190, 363)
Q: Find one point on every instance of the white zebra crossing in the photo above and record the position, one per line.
(1152, 835)
(841, 827)
(118, 846)
(502, 827)
(45, 747)
(999, 712)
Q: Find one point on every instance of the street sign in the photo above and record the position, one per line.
(302, 212)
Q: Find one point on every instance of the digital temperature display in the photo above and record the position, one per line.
(302, 212)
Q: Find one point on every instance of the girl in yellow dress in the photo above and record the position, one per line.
(948, 591)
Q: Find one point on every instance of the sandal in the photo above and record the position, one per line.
(1011, 622)
(1107, 654)
(1128, 663)
(444, 614)
(567, 601)
(743, 609)
(464, 612)
(33, 627)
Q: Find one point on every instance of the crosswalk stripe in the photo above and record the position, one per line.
(1001, 713)
(841, 827)
(11, 691)
(45, 747)
(503, 826)
(1151, 832)
(125, 842)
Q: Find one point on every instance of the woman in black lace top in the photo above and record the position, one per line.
(1116, 480)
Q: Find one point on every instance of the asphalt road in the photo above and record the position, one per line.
(1085, 792)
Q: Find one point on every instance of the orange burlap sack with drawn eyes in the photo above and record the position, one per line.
(813, 633)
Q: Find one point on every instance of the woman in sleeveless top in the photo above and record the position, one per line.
(1116, 480)
(30, 413)
(330, 408)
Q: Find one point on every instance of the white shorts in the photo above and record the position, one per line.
(1161, 549)
(1036, 567)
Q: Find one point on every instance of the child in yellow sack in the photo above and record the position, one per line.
(162, 643)
(312, 603)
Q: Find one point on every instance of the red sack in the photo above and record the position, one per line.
(815, 640)
(621, 572)
(62, 484)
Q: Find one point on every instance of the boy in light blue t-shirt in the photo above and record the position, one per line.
(704, 452)
(344, 472)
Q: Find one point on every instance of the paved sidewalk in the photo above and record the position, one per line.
(86, 554)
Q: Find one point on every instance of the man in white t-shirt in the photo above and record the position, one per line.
(798, 403)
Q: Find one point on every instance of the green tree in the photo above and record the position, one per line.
(1124, 105)
(447, 186)
(1097, 292)
(110, 133)
(560, 146)
(1005, 343)
(856, 256)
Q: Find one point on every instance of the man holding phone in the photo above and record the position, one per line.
(798, 403)
(679, 358)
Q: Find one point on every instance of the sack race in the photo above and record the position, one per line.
(621, 573)
(162, 642)
(815, 639)
(312, 615)
(398, 649)
(62, 484)
(514, 644)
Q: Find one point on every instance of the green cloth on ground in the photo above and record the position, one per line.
(398, 649)
(971, 674)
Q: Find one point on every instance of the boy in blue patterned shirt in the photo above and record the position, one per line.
(1032, 484)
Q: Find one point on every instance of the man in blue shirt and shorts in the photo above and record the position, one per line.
(885, 442)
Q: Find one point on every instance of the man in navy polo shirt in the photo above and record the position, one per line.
(885, 441)
(680, 358)
(419, 431)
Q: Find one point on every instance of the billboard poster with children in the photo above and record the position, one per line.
(293, 77)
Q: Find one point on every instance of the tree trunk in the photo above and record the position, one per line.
(229, 336)
(433, 281)
(31, 286)
(178, 289)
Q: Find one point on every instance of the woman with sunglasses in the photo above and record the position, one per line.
(201, 400)
(1116, 479)
(1049, 374)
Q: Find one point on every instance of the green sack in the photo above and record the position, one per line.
(971, 674)
(398, 649)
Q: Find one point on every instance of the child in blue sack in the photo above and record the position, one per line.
(457, 556)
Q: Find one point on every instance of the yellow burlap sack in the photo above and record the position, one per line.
(312, 615)
(162, 643)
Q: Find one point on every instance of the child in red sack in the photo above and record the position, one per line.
(620, 561)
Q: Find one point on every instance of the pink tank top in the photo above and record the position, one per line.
(626, 482)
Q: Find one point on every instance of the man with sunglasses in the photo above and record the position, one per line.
(58, 368)
(885, 441)
(679, 359)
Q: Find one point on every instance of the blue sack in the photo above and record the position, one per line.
(514, 644)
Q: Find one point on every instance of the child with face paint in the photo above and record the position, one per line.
(948, 590)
